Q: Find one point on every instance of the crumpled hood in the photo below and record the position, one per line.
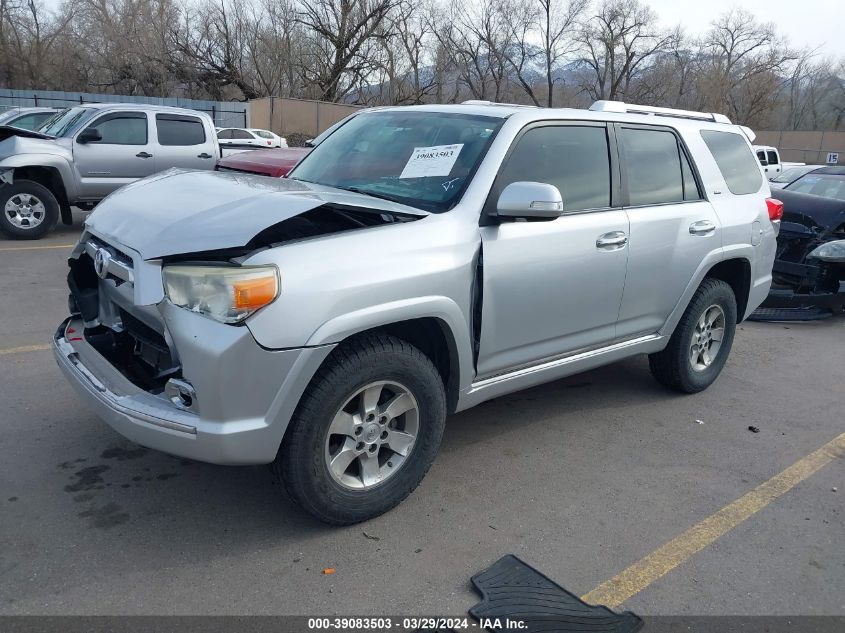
(805, 212)
(23, 142)
(180, 211)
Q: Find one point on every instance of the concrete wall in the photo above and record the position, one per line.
(805, 147)
(285, 116)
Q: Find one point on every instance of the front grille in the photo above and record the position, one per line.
(116, 265)
(135, 349)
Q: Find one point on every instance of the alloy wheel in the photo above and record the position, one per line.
(25, 211)
(707, 338)
(372, 435)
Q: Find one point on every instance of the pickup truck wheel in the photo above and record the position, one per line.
(699, 347)
(365, 432)
(28, 210)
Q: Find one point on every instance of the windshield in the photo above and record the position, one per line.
(65, 122)
(792, 173)
(262, 133)
(422, 159)
(825, 185)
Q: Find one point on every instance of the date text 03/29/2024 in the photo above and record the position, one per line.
(413, 624)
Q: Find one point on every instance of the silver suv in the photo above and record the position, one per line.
(418, 262)
(82, 154)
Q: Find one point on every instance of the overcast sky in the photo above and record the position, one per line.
(807, 23)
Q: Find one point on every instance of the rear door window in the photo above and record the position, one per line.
(177, 129)
(735, 160)
(772, 157)
(657, 168)
(573, 158)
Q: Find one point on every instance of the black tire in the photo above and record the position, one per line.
(672, 367)
(301, 463)
(51, 210)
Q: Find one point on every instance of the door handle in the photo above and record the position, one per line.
(702, 227)
(612, 241)
(143, 155)
(203, 155)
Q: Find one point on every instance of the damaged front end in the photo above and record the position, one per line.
(808, 276)
(156, 341)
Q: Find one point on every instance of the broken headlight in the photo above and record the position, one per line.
(830, 252)
(228, 294)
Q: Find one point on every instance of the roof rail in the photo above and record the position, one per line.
(495, 103)
(621, 106)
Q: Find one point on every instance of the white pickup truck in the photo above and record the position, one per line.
(769, 158)
(84, 153)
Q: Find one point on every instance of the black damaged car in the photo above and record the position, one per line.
(809, 270)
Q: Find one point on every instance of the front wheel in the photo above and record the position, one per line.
(28, 210)
(701, 342)
(366, 431)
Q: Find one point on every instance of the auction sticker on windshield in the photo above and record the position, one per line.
(437, 160)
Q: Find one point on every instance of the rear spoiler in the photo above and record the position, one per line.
(749, 133)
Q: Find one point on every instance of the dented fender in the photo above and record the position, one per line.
(441, 308)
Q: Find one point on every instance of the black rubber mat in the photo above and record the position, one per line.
(512, 589)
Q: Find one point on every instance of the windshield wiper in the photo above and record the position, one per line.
(372, 194)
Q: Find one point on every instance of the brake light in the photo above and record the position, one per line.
(775, 209)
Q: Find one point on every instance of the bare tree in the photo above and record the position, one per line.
(618, 41)
(744, 67)
(556, 26)
(341, 28)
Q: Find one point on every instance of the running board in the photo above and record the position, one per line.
(554, 368)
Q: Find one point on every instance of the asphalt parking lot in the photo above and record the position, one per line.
(582, 478)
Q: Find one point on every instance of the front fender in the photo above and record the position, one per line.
(50, 161)
(438, 307)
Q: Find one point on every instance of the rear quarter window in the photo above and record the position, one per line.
(735, 160)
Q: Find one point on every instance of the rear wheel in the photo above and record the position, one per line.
(28, 210)
(702, 341)
(366, 431)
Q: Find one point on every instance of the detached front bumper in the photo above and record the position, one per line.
(245, 393)
(807, 290)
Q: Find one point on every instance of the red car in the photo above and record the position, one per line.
(266, 162)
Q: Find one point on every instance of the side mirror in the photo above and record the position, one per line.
(89, 135)
(309, 143)
(530, 200)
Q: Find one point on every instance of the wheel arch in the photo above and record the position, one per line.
(51, 178)
(435, 325)
(735, 272)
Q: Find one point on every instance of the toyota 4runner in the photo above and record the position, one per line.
(417, 262)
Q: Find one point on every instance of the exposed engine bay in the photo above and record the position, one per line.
(808, 277)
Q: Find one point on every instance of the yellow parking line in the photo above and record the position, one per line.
(35, 248)
(664, 559)
(24, 348)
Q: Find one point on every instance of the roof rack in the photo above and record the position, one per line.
(622, 107)
(495, 103)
